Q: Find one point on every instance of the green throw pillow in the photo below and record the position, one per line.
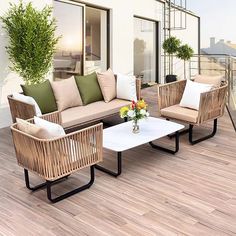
(89, 88)
(43, 95)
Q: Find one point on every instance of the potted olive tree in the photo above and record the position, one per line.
(185, 52)
(31, 41)
(170, 47)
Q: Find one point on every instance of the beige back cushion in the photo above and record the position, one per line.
(107, 83)
(66, 93)
(206, 79)
(32, 129)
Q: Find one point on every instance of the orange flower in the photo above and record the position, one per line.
(141, 104)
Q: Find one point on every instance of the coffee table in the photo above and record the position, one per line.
(120, 138)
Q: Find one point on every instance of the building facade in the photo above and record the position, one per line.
(97, 34)
(220, 47)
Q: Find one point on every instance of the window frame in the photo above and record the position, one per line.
(157, 43)
(108, 28)
(84, 5)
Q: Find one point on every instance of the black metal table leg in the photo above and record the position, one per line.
(166, 149)
(119, 167)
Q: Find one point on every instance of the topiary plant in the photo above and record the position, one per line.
(170, 47)
(185, 52)
(32, 40)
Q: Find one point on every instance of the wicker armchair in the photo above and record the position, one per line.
(55, 159)
(212, 106)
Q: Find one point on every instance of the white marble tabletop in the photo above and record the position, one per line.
(120, 137)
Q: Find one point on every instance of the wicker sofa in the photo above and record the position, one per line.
(76, 116)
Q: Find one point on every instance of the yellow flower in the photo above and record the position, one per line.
(124, 111)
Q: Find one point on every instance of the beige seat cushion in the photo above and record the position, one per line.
(92, 111)
(205, 79)
(66, 93)
(107, 83)
(180, 113)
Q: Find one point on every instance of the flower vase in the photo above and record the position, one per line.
(135, 127)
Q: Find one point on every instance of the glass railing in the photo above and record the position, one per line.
(232, 91)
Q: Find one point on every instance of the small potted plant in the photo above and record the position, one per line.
(185, 52)
(170, 47)
(135, 112)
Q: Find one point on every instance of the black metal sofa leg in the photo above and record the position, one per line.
(48, 185)
(203, 138)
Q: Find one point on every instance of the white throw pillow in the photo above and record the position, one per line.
(126, 87)
(192, 94)
(53, 129)
(28, 100)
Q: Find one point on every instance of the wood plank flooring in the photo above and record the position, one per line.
(190, 193)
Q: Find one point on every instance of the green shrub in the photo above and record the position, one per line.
(185, 52)
(32, 40)
(170, 47)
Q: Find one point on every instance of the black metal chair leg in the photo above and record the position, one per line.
(40, 186)
(27, 183)
(166, 149)
(112, 173)
(193, 142)
(68, 194)
(49, 184)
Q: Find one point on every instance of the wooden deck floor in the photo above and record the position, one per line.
(191, 193)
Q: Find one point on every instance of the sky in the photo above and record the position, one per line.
(218, 19)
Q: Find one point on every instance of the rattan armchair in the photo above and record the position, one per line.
(212, 106)
(55, 159)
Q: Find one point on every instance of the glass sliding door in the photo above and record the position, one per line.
(68, 59)
(145, 50)
(96, 49)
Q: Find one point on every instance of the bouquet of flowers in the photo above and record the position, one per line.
(136, 111)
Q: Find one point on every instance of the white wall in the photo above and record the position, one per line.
(122, 36)
(188, 36)
(122, 24)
